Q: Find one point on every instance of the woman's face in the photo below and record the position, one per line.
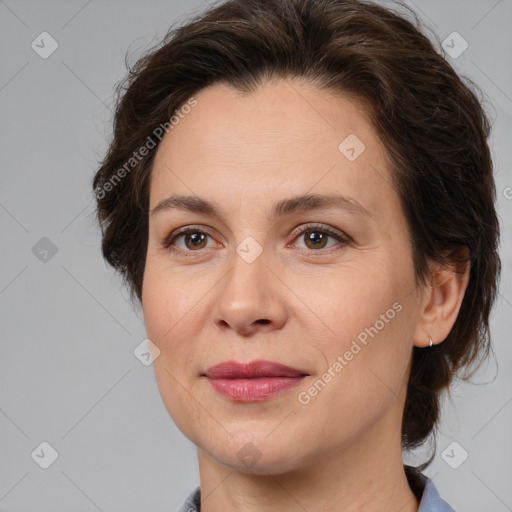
(325, 287)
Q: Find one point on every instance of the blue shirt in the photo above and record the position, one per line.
(423, 487)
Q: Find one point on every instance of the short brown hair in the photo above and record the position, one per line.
(431, 123)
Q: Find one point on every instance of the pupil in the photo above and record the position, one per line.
(315, 237)
(196, 238)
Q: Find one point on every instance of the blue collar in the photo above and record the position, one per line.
(430, 500)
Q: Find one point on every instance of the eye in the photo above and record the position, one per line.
(316, 236)
(193, 238)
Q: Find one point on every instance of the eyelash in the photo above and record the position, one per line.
(321, 228)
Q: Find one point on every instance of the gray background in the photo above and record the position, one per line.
(68, 375)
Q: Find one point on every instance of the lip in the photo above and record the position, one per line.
(254, 381)
(251, 370)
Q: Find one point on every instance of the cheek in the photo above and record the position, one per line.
(171, 319)
(361, 384)
(366, 348)
(171, 322)
(169, 303)
(342, 304)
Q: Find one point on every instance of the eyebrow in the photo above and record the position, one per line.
(297, 204)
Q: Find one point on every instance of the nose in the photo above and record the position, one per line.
(250, 298)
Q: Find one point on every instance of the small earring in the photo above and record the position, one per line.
(431, 342)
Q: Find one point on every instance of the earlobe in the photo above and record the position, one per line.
(442, 300)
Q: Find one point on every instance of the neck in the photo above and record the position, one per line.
(364, 473)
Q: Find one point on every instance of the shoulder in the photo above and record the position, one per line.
(426, 492)
(431, 501)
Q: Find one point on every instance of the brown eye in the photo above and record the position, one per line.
(194, 239)
(316, 238)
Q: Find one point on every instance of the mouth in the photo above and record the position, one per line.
(254, 381)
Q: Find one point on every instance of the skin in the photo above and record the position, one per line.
(297, 303)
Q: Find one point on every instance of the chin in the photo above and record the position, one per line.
(255, 455)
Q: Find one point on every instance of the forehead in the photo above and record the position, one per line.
(276, 112)
(285, 138)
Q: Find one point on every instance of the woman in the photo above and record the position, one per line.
(300, 195)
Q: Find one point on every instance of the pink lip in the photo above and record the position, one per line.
(254, 381)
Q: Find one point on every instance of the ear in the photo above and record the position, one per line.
(440, 302)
